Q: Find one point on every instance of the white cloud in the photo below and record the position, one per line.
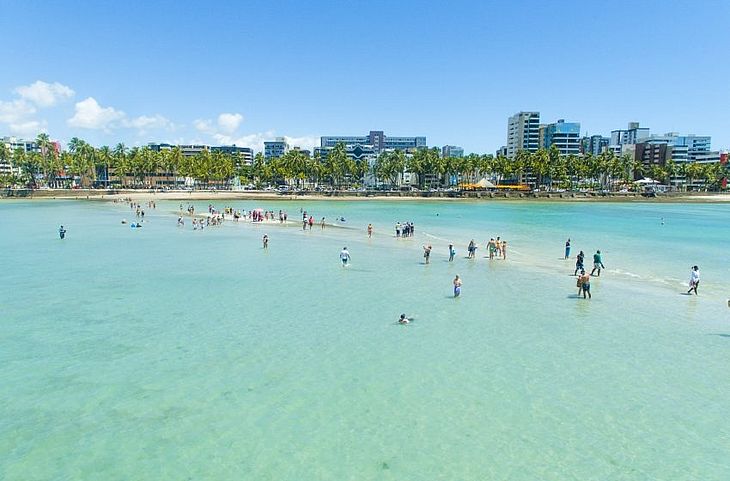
(204, 126)
(146, 122)
(255, 140)
(90, 115)
(228, 123)
(15, 111)
(44, 94)
(29, 129)
(305, 142)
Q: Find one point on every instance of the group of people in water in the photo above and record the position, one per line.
(496, 247)
(404, 229)
(583, 282)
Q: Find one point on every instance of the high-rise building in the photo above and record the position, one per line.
(452, 151)
(523, 133)
(595, 144)
(376, 139)
(563, 135)
(632, 135)
(275, 148)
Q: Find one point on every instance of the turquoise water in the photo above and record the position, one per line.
(167, 353)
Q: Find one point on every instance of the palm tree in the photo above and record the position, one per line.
(521, 165)
(104, 158)
(337, 163)
(258, 168)
(120, 162)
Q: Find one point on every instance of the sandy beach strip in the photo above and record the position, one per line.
(213, 195)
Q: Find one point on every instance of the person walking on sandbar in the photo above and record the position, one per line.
(344, 257)
(579, 259)
(694, 280)
(597, 263)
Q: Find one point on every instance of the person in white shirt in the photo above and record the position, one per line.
(344, 256)
(694, 280)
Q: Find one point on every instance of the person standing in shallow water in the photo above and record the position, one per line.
(567, 249)
(597, 263)
(344, 257)
(370, 230)
(452, 252)
(585, 283)
(61, 232)
(427, 253)
(579, 259)
(265, 241)
(694, 280)
(457, 286)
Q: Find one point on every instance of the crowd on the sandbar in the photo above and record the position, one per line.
(496, 247)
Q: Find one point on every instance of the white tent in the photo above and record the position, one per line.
(485, 184)
(647, 181)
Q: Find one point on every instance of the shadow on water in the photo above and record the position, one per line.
(720, 335)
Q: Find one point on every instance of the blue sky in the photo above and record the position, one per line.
(240, 72)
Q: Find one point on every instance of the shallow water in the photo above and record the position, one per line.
(167, 353)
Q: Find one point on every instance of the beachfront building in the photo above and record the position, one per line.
(242, 155)
(565, 136)
(12, 144)
(523, 133)
(273, 149)
(368, 147)
(629, 136)
(452, 151)
(377, 140)
(595, 144)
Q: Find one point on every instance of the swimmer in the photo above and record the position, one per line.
(61, 232)
(124, 221)
(344, 257)
(403, 319)
(457, 286)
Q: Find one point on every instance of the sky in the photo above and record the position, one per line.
(220, 72)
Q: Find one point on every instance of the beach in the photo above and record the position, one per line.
(164, 352)
(443, 196)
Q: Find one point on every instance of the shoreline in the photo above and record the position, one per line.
(107, 195)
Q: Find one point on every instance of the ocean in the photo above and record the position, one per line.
(168, 353)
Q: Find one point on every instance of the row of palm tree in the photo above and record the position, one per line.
(145, 167)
